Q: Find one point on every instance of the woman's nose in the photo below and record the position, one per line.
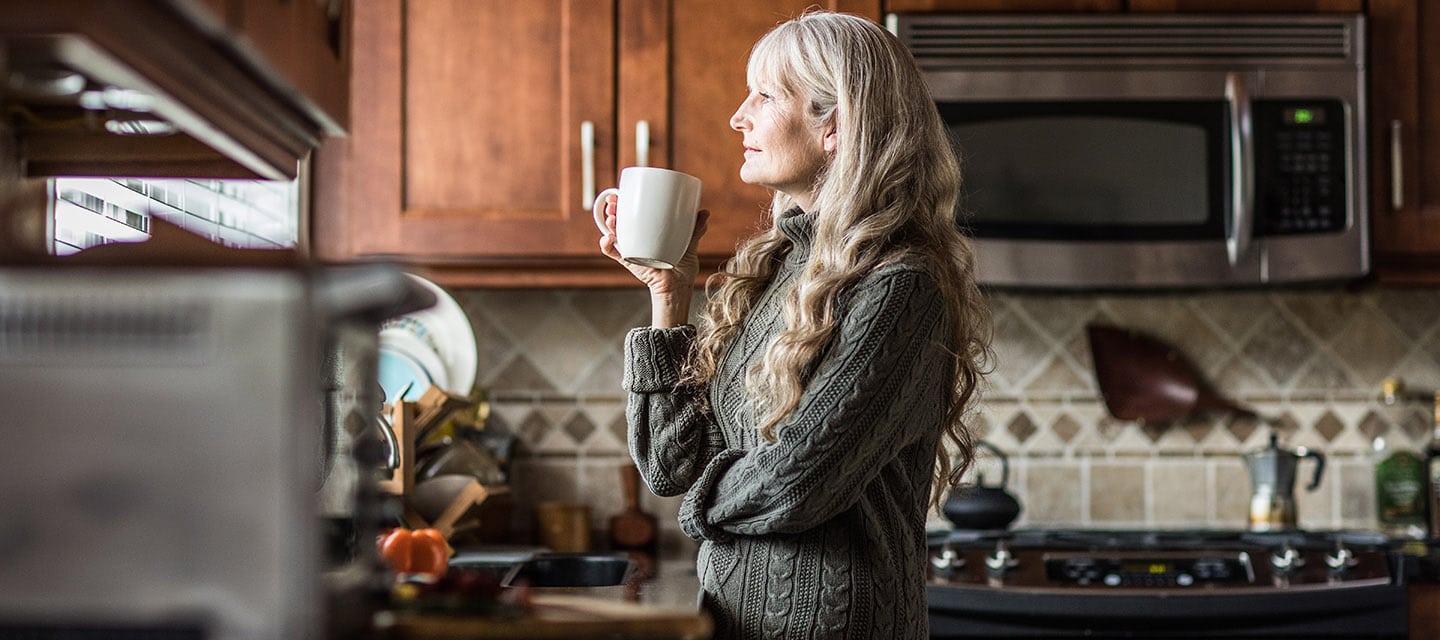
(737, 120)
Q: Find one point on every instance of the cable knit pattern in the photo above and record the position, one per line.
(820, 534)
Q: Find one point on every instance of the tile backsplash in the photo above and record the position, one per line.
(1310, 362)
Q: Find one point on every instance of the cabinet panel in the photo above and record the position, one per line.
(1405, 138)
(467, 128)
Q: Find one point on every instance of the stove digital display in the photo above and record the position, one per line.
(1139, 571)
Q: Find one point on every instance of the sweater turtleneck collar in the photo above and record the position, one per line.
(799, 227)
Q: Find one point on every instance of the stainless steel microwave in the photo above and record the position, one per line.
(1135, 151)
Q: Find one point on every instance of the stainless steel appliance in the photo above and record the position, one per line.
(1146, 151)
(1272, 484)
(1070, 583)
(163, 445)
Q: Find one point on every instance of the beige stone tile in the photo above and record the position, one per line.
(1232, 494)
(1182, 492)
(1052, 493)
(1356, 478)
(1117, 492)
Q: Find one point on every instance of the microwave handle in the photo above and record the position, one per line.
(1242, 171)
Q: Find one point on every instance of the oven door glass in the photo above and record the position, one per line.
(1097, 170)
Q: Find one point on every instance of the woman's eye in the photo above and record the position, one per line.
(765, 96)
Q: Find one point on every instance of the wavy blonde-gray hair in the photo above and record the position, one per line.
(890, 188)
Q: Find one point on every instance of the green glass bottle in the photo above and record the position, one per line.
(1400, 490)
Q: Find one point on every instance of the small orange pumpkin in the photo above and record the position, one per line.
(416, 552)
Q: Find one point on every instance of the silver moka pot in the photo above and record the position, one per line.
(1272, 482)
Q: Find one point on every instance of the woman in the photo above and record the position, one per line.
(805, 421)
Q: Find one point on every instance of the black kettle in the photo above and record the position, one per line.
(981, 507)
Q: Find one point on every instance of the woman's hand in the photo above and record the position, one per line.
(670, 289)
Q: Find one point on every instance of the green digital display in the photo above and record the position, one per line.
(1304, 116)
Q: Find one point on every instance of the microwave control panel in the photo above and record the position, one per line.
(1300, 167)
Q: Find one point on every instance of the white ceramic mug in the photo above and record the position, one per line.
(654, 217)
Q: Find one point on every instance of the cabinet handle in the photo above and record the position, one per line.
(1397, 167)
(642, 143)
(587, 164)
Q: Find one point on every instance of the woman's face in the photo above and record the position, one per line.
(783, 151)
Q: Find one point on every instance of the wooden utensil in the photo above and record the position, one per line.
(632, 528)
(1142, 378)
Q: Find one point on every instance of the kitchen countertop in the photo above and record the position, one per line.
(659, 601)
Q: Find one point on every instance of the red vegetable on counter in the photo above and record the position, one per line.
(416, 552)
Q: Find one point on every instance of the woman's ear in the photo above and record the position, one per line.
(831, 139)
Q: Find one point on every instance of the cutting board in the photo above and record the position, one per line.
(557, 617)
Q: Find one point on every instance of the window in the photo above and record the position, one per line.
(251, 214)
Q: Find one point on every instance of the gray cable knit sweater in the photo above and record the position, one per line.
(820, 534)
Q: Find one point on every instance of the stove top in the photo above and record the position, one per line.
(1178, 560)
(1074, 539)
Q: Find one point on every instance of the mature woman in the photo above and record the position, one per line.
(807, 420)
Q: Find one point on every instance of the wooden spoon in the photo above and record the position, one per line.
(632, 528)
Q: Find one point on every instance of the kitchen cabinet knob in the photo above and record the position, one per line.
(642, 143)
(1397, 167)
(587, 164)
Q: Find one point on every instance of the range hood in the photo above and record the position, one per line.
(165, 87)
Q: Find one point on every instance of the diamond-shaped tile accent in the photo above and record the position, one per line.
(620, 427)
(1329, 426)
(1242, 427)
(1110, 428)
(1155, 429)
(1198, 427)
(579, 427)
(1372, 426)
(1286, 426)
(534, 428)
(1021, 427)
(1065, 427)
(1417, 425)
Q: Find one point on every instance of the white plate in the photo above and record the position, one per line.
(446, 330)
(407, 362)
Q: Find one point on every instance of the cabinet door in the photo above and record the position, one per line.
(687, 60)
(1405, 139)
(466, 140)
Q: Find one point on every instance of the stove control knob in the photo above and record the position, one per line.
(948, 560)
(1184, 580)
(1286, 560)
(1001, 560)
(1113, 580)
(1341, 560)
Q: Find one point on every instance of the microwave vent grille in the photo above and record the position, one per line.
(99, 328)
(938, 39)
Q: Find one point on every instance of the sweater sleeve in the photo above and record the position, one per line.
(671, 432)
(887, 354)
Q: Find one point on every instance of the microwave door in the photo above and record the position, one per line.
(1099, 192)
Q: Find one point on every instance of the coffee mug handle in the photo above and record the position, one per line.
(598, 209)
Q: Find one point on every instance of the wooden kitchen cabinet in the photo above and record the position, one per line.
(1405, 141)
(469, 144)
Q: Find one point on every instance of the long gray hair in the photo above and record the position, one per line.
(889, 188)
